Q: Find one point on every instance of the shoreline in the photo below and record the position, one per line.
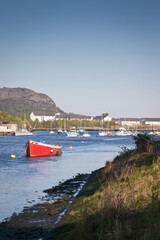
(37, 221)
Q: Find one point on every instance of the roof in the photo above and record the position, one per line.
(115, 119)
(61, 116)
(98, 118)
(78, 116)
(151, 119)
(44, 114)
(129, 119)
(138, 119)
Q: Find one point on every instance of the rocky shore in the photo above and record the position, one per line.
(38, 221)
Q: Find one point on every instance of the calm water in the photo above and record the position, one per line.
(22, 180)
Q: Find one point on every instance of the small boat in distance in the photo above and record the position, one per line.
(123, 132)
(23, 132)
(103, 133)
(81, 130)
(73, 133)
(51, 132)
(86, 134)
(39, 149)
(59, 131)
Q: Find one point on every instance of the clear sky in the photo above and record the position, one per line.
(89, 56)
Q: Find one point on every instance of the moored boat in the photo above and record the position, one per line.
(59, 131)
(73, 133)
(23, 132)
(123, 132)
(38, 149)
(51, 132)
(86, 134)
(104, 133)
(81, 130)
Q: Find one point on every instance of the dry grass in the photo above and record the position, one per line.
(125, 206)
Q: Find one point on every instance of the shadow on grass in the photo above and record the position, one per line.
(60, 232)
(123, 225)
(14, 233)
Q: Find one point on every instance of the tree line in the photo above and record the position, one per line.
(24, 121)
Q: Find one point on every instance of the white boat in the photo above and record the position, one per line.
(81, 130)
(105, 133)
(86, 134)
(154, 133)
(60, 130)
(122, 132)
(102, 133)
(157, 133)
(134, 133)
(73, 134)
(23, 132)
(51, 132)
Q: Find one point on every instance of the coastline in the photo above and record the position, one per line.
(37, 221)
(77, 209)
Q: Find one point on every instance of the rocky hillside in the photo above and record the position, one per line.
(23, 100)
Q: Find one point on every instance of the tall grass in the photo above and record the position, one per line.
(126, 206)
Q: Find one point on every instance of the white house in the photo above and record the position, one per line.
(151, 121)
(107, 119)
(100, 118)
(42, 117)
(57, 116)
(129, 121)
(138, 121)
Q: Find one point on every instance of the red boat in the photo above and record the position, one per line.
(39, 149)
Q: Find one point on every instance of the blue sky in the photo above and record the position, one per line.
(89, 56)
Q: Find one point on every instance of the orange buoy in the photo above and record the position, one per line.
(70, 147)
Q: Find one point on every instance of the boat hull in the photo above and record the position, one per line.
(38, 149)
(73, 134)
(23, 132)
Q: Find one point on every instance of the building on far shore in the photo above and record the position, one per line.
(128, 121)
(71, 116)
(42, 117)
(150, 121)
(7, 128)
(137, 121)
(57, 116)
(101, 118)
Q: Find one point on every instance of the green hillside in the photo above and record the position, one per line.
(24, 101)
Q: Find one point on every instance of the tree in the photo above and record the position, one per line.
(105, 115)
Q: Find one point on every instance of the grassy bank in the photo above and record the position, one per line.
(120, 201)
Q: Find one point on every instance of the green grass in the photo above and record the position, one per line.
(120, 201)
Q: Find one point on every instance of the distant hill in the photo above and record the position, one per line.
(24, 101)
